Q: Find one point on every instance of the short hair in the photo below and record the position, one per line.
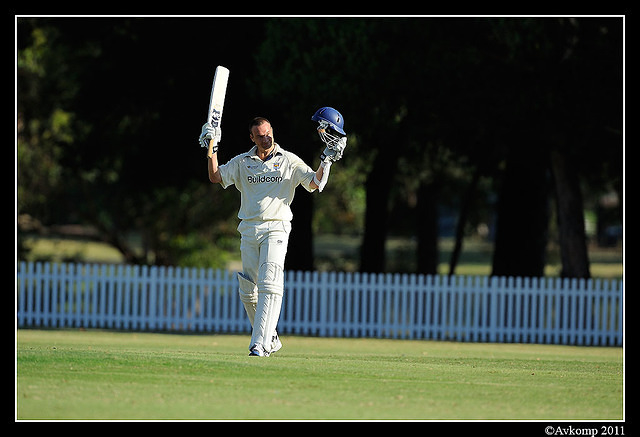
(257, 121)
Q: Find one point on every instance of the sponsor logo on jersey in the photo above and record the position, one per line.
(264, 179)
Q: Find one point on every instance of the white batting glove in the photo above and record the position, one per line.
(208, 133)
(334, 151)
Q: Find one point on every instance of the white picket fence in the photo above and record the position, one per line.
(405, 306)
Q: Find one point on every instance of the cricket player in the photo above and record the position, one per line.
(267, 176)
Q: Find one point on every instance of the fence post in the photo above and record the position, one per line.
(535, 310)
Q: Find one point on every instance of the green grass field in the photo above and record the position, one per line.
(341, 253)
(102, 375)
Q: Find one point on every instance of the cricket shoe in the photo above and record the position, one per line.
(257, 350)
(276, 344)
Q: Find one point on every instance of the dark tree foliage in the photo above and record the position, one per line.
(518, 118)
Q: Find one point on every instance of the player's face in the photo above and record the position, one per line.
(262, 136)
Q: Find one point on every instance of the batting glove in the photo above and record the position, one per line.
(209, 132)
(334, 151)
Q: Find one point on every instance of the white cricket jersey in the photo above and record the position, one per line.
(266, 187)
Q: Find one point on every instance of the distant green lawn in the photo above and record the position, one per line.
(341, 253)
(71, 374)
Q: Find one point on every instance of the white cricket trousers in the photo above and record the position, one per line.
(263, 247)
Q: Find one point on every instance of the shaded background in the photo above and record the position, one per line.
(506, 129)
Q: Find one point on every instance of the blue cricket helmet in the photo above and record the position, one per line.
(332, 117)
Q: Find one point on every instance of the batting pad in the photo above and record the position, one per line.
(271, 278)
(248, 295)
(266, 320)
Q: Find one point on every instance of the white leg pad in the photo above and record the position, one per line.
(266, 320)
(248, 291)
(270, 291)
(271, 278)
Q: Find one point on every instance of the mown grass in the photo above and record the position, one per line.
(339, 252)
(101, 375)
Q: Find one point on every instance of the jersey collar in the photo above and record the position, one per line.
(253, 152)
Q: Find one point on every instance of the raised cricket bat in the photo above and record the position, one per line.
(216, 103)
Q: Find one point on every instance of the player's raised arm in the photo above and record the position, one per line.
(214, 172)
(209, 138)
(331, 131)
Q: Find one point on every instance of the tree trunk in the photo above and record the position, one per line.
(300, 249)
(462, 221)
(523, 215)
(573, 241)
(378, 186)
(427, 229)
